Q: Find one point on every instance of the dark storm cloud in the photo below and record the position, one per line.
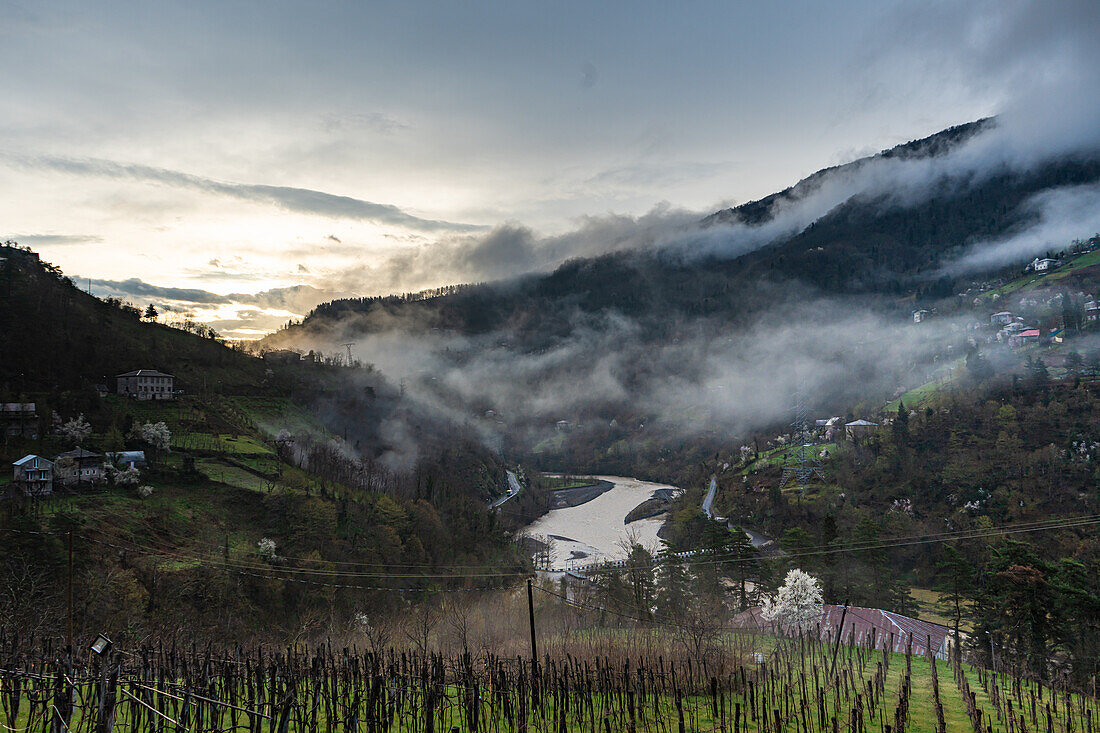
(299, 200)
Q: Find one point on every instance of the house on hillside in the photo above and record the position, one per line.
(78, 466)
(281, 356)
(921, 315)
(19, 419)
(1044, 264)
(830, 427)
(146, 384)
(1001, 319)
(859, 429)
(33, 475)
(1030, 336)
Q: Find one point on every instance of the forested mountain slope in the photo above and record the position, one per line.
(869, 243)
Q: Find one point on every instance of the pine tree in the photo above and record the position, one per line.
(1037, 374)
(901, 425)
(954, 576)
(743, 566)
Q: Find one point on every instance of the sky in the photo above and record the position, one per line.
(238, 162)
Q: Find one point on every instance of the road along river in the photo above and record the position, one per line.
(595, 530)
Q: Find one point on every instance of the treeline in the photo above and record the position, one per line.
(864, 246)
(54, 337)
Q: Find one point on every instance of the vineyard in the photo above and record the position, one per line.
(757, 683)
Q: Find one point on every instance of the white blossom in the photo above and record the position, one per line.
(155, 434)
(76, 430)
(267, 548)
(145, 491)
(128, 476)
(797, 604)
(902, 506)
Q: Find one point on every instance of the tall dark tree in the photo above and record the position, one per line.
(954, 575)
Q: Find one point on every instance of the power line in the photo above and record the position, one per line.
(705, 558)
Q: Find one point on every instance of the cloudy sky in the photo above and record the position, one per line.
(244, 160)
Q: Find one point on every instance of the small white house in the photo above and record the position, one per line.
(1044, 264)
(1001, 319)
(34, 475)
(920, 315)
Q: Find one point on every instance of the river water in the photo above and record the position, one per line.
(596, 528)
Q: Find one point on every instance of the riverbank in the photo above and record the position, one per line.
(596, 530)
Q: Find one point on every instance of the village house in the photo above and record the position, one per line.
(1044, 264)
(859, 428)
(1030, 336)
(921, 315)
(33, 475)
(281, 356)
(830, 427)
(146, 384)
(1001, 319)
(78, 466)
(1011, 330)
(19, 419)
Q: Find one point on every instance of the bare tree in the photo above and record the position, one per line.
(26, 596)
(419, 623)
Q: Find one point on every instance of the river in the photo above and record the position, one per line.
(595, 529)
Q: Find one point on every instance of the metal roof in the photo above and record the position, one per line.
(145, 373)
(861, 623)
(79, 452)
(26, 458)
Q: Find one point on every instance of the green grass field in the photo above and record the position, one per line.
(1032, 281)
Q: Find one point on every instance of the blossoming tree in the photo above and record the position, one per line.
(798, 603)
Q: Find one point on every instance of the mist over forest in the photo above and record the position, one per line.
(699, 331)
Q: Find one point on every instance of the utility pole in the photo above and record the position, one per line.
(531, 616)
(839, 634)
(70, 591)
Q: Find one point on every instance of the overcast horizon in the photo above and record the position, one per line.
(240, 163)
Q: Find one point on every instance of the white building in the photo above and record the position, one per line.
(34, 475)
(1041, 265)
